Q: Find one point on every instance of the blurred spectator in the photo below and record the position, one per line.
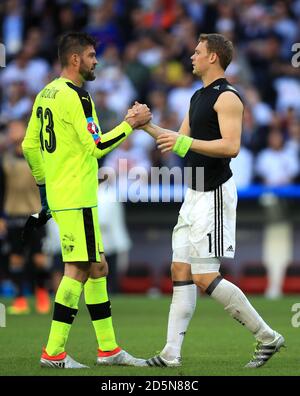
(195, 10)
(17, 105)
(116, 240)
(157, 100)
(130, 164)
(102, 26)
(138, 73)
(150, 52)
(226, 21)
(145, 48)
(66, 20)
(144, 54)
(253, 138)
(119, 89)
(27, 68)
(20, 198)
(179, 97)
(12, 26)
(288, 94)
(293, 144)
(108, 118)
(261, 111)
(169, 120)
(276, 164)
(285, 26)
(242, 168)
(161, 15)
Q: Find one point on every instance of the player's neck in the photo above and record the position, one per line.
(73, 76)
(212, 76)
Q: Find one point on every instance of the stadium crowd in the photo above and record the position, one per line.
(144, 54)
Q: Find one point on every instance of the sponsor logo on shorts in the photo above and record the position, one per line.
(230, 249)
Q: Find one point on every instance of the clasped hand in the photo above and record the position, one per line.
(138, 115)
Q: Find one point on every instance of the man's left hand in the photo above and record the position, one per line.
(166, 141)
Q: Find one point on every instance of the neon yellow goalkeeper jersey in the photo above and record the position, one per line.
(63, 141)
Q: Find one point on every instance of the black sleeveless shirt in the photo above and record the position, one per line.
(204, 125)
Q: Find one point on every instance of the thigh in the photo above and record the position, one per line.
(181, 241)
(229, 197)
(181, 272)
(213, 223)
(203, 224)
(80, 235)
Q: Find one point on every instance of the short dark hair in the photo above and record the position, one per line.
(220, 45)
(73, 42)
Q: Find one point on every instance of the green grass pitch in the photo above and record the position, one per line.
(215, 344)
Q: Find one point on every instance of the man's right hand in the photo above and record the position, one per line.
(138, 115)
(37, 220)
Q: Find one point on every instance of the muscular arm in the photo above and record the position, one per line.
(230, 112)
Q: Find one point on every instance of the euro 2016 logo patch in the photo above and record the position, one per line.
(93, 129)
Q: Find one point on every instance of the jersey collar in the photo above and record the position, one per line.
(216, 82)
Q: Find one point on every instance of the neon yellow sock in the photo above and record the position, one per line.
(97, 302)
(65, 310)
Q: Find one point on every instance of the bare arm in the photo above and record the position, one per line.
(230, 112)
(155, 130)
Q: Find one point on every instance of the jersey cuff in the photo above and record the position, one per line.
(126, 127)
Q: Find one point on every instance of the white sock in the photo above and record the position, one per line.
(181, 312)
(238, 306)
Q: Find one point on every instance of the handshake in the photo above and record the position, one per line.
(138, 115)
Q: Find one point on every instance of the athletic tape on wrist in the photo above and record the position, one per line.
(182, 145)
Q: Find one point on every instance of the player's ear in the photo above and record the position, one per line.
(213, 57)
(74, 59)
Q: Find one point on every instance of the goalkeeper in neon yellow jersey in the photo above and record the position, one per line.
(62, 144)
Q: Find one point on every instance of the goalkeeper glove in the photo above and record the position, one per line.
(37, 220)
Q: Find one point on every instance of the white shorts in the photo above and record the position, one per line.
(206, 225)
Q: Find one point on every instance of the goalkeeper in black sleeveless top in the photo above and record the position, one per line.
(205, 232)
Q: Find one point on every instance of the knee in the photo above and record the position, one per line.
(78, 271)
(181, 272)
(204, 280)
(99, 270)
(102, 270)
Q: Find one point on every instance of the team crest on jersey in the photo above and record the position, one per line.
(94, 130)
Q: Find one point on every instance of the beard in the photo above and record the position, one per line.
(87, 74)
